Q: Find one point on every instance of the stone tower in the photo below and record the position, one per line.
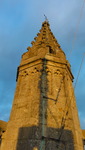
(44, 114)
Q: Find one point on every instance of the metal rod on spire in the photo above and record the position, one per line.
(46, 19)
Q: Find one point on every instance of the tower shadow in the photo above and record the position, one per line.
(29, 138)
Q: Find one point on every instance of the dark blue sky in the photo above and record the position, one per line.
(20, 21)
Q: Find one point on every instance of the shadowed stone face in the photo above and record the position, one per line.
(44, 114)
(52, 141)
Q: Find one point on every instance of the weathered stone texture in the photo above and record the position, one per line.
(44, 113)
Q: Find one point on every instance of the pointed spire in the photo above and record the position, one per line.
(46, 43)
(45, 36)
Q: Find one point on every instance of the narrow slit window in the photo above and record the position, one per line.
(50, 50)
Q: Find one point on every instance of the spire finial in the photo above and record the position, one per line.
(46, 19)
